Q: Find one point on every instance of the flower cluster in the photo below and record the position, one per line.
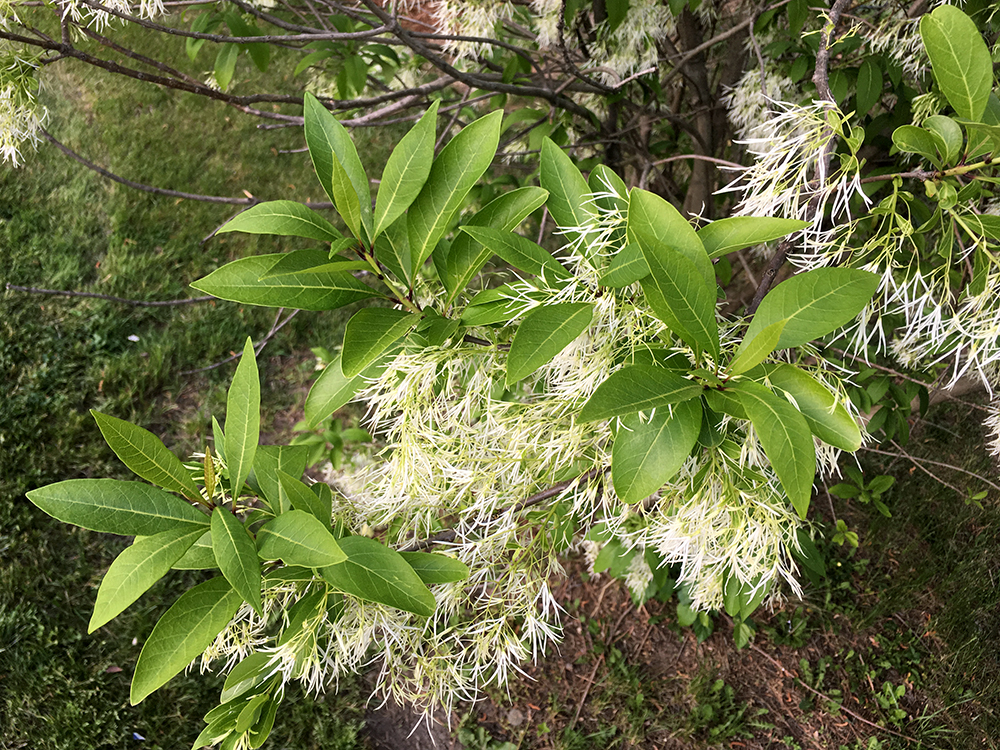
(21, 115)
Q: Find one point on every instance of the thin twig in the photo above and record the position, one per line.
(148, 188)
(826, 697)
(109, 297)
(258, 347)
(917, 462)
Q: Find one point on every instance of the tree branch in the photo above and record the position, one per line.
(123, 300)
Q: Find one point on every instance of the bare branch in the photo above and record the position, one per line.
(109, 297)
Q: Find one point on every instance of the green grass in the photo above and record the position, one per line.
(64, 227)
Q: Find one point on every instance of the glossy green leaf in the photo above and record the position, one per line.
(959, 58)
(786, 438)
(393, 250)
(185, 630)
(248, 674)
(568, 191)
(737, 232)
(520, 252)
(627, 267)
(225, 64)
(648, 453)
(504, 213)
(543, 333)
(949, 136)
(146, 455)
(219, 439)
(681, 291)
(243, 419)
(297, 538)
(199, 555)
(138, 568)
(492, 306)
(814, 304)
(376, 573)
(869, 87)
(617, 10)
(286, 218)
(236, 554)
(114, 507)
(369, 333)
(268, 461)
(914, 140)
(828, 419)
(752, 351)
(250, 713)
(300, 497)
(325, 136)
(345, 198)
(659, 227)
(637, 388)
(245, 281)
(433, 568)
(260, 731)
(406, 171)
(333, 389)
(453, 174)
(311, 261)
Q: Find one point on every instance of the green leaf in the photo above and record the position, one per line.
(627, 267)
(659, 227)
(519, 252)
(376, 573)
(568, 191)
(828, 419)
(544, 333)
(184, 631)
(286, 218)
(737, 232)
(297, 538)
(114, 507)
(869, 89)
(225, 64)
(345, 197)
(678, 295)
(814, 304)
(138, 568)
(504, 213)
(406, 171)
(637, 388)
(913, 140)
(219, 438)
(302, 498)
(236, 554)
(786, 439)
(270, 459)
(432, 568)
(647, 454)
(248, 674)
(753, 351)
(241, 281)
(325, 137)
(454, 173)
(333, 389)
(311, 261)
(959, 58)
(949, 134)
(199, 555)
(492, 306)
(243, 419)
(370, 333)
(617, 10)
(146, 455)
